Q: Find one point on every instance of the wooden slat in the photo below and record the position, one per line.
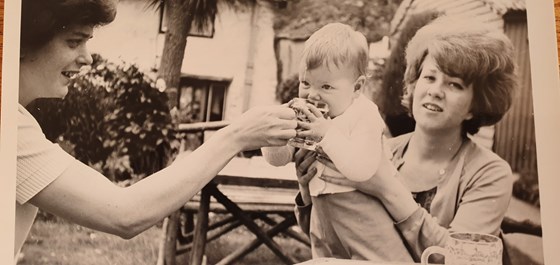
(201, 126)
(251, 199)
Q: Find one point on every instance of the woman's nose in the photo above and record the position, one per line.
(436, 90)
(84, 57)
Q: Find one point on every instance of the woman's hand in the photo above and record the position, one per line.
(370, 186)
(305, 172)
(304, 159)
(263, 126)
(384, 185)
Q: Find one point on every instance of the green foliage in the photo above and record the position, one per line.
(391, 91)
(287, 89)
(303, 17)
(392, 84)
(113, 119)
(526, 187)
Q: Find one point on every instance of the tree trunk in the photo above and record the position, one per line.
(179, 21)
(179, 17)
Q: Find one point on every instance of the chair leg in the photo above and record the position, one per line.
(199, 241)
(249, 223)
(171, 239)
(241, 252)
(185, 233)
(289, 231)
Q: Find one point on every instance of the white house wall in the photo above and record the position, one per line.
(133, 37)
(265, 68)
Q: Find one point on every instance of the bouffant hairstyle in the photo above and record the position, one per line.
(478, 54)
(41, 20)
(336, 44)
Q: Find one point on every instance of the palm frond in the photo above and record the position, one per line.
(154, 4)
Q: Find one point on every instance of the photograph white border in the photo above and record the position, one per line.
(546, 95)
(10, 83)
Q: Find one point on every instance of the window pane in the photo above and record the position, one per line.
(192, 104)
(217, 105)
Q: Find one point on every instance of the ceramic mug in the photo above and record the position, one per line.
(463, 248)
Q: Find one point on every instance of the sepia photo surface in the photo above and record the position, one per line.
(122, 119)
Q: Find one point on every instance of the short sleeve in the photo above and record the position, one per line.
(39, 161)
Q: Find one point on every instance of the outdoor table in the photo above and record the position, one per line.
(242, 187)
(333, 261)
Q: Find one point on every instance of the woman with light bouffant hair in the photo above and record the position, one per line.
(478, 54)
(460, 75)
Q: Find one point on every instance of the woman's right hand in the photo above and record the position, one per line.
(304, 159)
(263, 126)
(305, 172)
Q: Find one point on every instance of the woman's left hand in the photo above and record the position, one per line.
(370, 186)
(262, 126)
(384, 185)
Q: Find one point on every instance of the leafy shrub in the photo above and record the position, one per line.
(396, 115)
(287, 89)
(114, 119)
(526, 188)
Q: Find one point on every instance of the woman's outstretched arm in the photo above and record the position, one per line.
(86, 197)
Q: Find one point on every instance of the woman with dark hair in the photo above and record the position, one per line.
(54, 35)
(459, 76)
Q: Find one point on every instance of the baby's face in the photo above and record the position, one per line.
(334, 86)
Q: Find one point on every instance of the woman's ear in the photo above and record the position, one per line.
(469, 116)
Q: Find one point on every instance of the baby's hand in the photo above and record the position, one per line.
(317, 126)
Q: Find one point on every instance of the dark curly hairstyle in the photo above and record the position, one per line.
(41, 20)
(476, 53)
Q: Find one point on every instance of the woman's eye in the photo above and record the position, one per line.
(303, 84)
(456, 85)
(74, 43)
(429, 77)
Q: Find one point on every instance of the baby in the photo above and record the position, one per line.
(332, 73)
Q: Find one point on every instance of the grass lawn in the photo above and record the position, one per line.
(60, 242)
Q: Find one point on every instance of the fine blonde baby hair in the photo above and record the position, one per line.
(336, 44)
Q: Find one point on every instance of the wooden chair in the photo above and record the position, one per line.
(243, 206)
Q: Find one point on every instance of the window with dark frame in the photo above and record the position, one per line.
(201, 100)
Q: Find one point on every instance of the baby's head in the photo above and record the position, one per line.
(333, 67)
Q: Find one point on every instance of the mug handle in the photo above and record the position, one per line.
(431, 250)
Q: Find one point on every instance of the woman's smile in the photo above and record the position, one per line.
(432, 107)
(70, 74)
